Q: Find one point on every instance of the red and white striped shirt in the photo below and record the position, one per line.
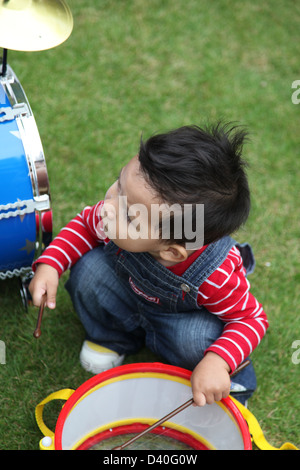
(226, 293)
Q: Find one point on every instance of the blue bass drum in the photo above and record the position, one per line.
(24, 186)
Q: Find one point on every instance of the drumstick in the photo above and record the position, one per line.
(172, 413)
(37, 332)
(155, 425)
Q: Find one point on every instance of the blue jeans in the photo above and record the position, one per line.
(123, 307)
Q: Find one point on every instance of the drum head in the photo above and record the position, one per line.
(111, 406)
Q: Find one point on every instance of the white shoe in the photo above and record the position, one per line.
(97, 359)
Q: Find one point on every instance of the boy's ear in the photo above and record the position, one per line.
(174, 253)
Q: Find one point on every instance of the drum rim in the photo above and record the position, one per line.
(144, 367)
(139, 427)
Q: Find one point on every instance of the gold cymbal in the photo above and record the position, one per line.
(34, 25)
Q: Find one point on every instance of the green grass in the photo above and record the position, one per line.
(133, 67)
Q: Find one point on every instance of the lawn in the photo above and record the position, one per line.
(137, 66)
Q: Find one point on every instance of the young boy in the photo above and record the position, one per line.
(143, 270)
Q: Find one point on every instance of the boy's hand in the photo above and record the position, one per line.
(210, 380)
(45, 281)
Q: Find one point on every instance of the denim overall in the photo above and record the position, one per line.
(127, 300)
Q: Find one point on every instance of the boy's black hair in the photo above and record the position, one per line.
(193, 165)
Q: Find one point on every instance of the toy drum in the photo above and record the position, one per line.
(109, 408)
(24, 187)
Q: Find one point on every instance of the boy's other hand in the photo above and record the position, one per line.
(45, 281)
(210, 380)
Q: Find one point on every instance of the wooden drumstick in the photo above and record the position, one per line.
(172, 413)
(155, 425)
(37, 332)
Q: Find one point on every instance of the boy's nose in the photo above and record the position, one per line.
(112, 191)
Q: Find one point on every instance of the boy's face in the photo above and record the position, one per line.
(126, 212)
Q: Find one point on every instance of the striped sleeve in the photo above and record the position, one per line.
(80, 235)
(226, 293)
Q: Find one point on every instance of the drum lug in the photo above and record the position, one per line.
(42, 203)
(9, 114)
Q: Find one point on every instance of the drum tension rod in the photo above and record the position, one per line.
(4, 63)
